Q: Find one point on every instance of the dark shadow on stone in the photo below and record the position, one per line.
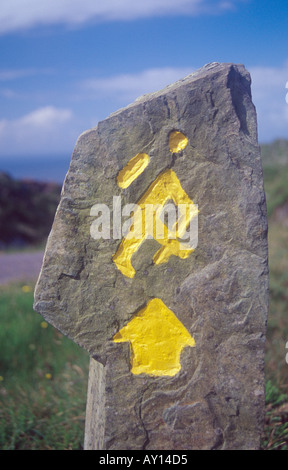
(240, 88)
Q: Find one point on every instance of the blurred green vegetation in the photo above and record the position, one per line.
(27, 211)
(275, 168)
(43, 379)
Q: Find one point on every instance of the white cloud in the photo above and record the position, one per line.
(131, 86)
(7, 93)
(268, 94)
(43, 131)
(14, 74)
(23, 14)
(45, 118)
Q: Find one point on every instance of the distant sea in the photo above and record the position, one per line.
(40, 169)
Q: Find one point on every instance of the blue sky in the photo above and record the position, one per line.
(67, 64)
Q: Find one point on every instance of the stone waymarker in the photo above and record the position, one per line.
(173, 317)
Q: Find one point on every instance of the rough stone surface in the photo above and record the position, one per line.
(219, 293)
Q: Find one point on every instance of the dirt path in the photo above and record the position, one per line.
(20, 267)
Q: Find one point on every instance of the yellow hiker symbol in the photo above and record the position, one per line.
(147, 217)
(156, 338)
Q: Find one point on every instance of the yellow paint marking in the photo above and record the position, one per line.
(132, 170)
(166, 187)
(177, 141)
(156, 338)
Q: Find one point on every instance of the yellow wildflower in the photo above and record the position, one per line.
(26, 288)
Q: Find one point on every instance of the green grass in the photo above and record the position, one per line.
(275, 436)
(276, 424)
(275, 162)
(43, 379)
(277, 329)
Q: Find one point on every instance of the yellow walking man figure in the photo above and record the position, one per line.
(147, 216)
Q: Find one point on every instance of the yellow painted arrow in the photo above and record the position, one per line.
(156, 337)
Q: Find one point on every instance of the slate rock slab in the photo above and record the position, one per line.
(218, 292)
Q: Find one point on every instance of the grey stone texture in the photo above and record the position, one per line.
(219, 293)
